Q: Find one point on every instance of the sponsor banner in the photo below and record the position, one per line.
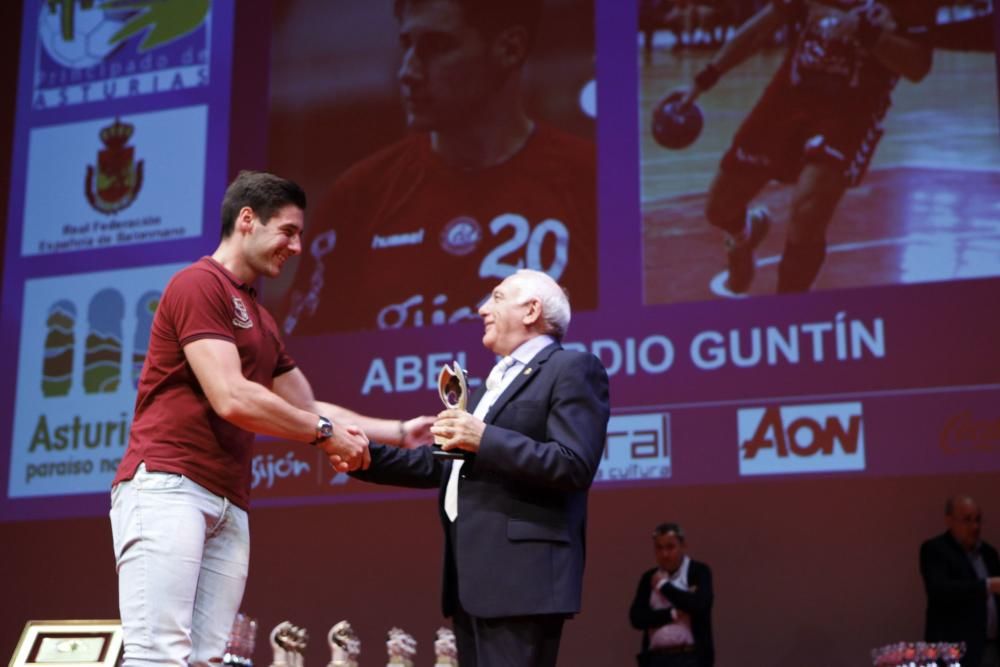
(283, 472)
(637, 447)
(93, 52)
(134, 178)
(952, 431)
(821, 437)
(65, 444)
(119, 141)
(83, 342)
(277, 468)
(969, 432)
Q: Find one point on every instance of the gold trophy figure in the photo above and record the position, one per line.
(453, 388)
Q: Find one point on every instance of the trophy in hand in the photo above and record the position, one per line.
(402, 648)
(445, 650)
(454, 392)
(345, 647)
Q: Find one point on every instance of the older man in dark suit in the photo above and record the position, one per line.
(962, 577)
(514, 510)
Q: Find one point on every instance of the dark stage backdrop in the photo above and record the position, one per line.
(807, 572)
(806, 442)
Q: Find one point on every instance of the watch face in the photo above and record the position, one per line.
(325, 427)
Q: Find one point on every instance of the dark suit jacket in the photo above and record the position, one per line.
(956, 596)
(697, 603)
(519, 538)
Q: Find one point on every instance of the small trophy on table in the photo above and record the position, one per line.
(402, 648)
(288, 643)
(453, 388)
(345, 647)
(445, 650)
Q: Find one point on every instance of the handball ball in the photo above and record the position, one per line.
(675, 126)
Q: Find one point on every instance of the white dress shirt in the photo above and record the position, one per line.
(679, 632)
(519, 359)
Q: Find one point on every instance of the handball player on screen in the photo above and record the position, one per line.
(817, 124)
(426, 227)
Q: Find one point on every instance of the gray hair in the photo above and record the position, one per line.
(556, 314)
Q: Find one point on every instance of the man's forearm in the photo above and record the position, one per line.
(747, 39)
(415, 468)
(389, 431)
(253, 407)
(903, 56)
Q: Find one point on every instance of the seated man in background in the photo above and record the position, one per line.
(673, 605)
(962, 578)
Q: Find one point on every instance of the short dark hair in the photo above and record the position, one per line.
(265, 193)
(665, 528)
(490, 17)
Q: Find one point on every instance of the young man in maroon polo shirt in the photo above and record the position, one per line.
(216, 373)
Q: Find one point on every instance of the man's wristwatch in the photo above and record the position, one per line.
(324, 430)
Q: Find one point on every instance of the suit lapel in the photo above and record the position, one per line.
(526, 375)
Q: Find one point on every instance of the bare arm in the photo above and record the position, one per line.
(746, 41)
(904, 55)
(249, 405)
(253, 407)
(408, 433)
(295, 388)
(748, 38)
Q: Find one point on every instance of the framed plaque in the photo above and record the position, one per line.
(69, 644)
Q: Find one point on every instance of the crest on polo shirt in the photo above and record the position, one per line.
(242, 318)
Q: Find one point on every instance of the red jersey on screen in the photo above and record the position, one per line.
(829, 96)
(175, 429)
(827, 58)
(404, 240)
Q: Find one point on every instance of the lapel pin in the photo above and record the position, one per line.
(527, 371)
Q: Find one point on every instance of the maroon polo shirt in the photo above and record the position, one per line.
(174, 428)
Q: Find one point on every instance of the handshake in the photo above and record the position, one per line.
(346, 446)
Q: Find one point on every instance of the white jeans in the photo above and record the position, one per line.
(182, 555)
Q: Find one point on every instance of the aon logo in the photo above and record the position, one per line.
(802, 438)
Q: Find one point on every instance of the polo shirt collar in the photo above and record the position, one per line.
(239, 284)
